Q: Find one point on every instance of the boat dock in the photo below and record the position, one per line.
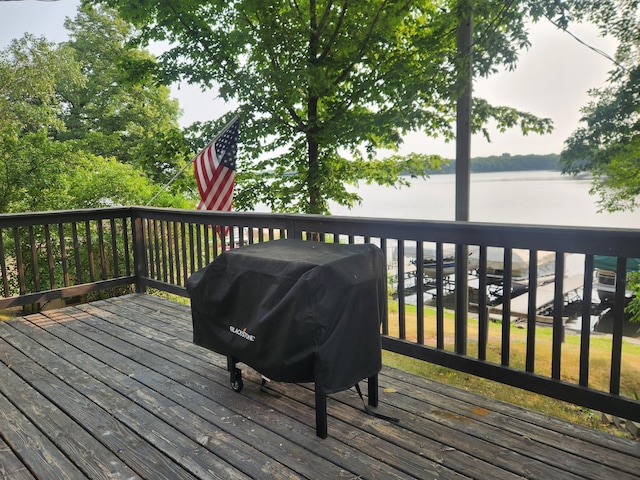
(544, 298)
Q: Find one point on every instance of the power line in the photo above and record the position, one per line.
(590, 47)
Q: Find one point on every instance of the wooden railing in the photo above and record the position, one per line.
(56, 255)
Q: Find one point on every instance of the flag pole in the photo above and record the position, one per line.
(236, 117)
(169, 183)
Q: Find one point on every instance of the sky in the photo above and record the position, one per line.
(551, 81)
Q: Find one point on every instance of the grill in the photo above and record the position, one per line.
(295, 311)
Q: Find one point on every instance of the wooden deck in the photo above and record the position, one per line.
(116, 389)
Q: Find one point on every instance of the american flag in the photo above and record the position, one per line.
(215, 169)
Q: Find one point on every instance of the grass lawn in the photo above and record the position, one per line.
(599, 366)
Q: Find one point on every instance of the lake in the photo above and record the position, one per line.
(533, 197)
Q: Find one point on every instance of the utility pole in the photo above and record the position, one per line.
(463, 162)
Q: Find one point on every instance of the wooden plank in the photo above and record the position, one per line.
(519, 437)
(128, 366)
(11, 467)
(535, 457)
(519, 434)
(179, 455)
(403, 457)
(36, 450)
(224, 385)
(579, 452)
(271, 434)
(32, 387)
(245, 455)
(491, 458)
(389, 453)
(567, 430)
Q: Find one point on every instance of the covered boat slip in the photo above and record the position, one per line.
(117, 389)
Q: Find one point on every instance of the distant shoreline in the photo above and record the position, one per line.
(506, 163)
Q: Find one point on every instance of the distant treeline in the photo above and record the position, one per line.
(506, 163)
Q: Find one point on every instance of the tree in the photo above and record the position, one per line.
(323, 85)
(76, 132)
(30, 70)
(607, 144)
(112, 114)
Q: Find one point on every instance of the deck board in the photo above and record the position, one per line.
(117, 389)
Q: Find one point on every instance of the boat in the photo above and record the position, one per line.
(519, 265)
(429, 259)
(604, 276)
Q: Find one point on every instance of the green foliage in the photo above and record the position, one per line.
(607, 144)
(323, 86)
(633, 285)
(77, 131)
(114, 114)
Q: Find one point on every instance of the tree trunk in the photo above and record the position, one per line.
(315, 204)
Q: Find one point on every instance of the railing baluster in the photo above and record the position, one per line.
(216, 247)
(114, 248)
(420, 291)
(507, 278)
(34, 260)
(87, 229)
(76, 252)
(177, 245)
(402, 331)
(385, 316)
(185, 258)
(461, 299)
(22, 288)
(163, 250)
(241, 232)
(207, 241)
(50, 263)
(223, 237)
(171, 252)
(63, 255)
(585, 330)
(483, 313)
(103, 260)
(440, 297)
(148, 228)
(618, 318)
(156, 249)
(125, 234)
(192, 253)
(532, 311)
(3, 266)
(140, 254)
(558, 321)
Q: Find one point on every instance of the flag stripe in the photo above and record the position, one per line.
(215, 170)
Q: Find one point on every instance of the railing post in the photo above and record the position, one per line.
(139, 256)
(464, 105)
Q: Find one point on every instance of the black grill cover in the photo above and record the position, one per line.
(294, 311)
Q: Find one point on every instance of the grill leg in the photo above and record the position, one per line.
(235, 374)
(373, 390)
(321, 414)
